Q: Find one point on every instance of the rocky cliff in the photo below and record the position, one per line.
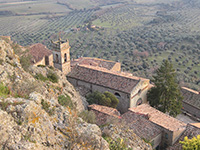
(31, 117)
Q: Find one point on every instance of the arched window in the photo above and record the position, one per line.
(139, 102)
(57, 60)
(117, 94)
(65, 57)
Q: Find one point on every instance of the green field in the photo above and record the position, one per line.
(138, 33)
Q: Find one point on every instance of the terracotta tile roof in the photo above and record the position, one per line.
(190, 96)
(106, 110)
(191, 131)
(39, 51)
(94, 62)
(159, 118)
(141, 125)
(120, 81)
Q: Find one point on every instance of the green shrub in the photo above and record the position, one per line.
(4, 105)
(17, 49)
(1, 61)
(51, 67)
(25, 62)
(50, 76)
(65, 100)
(88, 116)
(4, 91)
(46, 107)
(114, 100)
(118, 144)
(53, 77)
(41, 77)
(42, 66)
(106, 99)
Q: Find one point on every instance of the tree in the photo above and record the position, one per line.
(191, 144)
(166, 95)
(106, 99)
(114, 100)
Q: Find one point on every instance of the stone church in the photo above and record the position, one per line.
(94, 74)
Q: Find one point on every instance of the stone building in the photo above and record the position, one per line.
(171, 128)
(159, 129)
(191, 131)
(93, 74)
(41, 55)
(191, 102)
(130, 90)
(143, 128)
(58, 56)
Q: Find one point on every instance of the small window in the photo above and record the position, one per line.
(57, 60)
(117, 94)
(139, 102)
(166, 135)
(65, 57)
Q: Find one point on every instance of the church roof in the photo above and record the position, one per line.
(190, 96)
(159, 117)
(119, 81)
(141, 125)
(39, 51)
(94, 62)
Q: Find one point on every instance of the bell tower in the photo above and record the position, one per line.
(61, 55)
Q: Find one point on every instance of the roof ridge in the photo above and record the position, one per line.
(190, 90)
(99, 69)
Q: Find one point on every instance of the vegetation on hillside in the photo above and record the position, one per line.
(88, 116)
(165, 95)
(117, 144)
(66, 101)
(51, 76)
(4, 91)
(106, 99)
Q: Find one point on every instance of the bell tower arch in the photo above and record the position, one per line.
(61, 55)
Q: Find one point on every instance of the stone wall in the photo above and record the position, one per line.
(139, 92)
(66, 68)
(54, 57)
(167, 137)
(156, 141)
(124, 98)
(51, 60)
(177, 134)
(42, 62)
(191, 109)
(124, 101)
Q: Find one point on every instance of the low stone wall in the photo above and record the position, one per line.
(194, 111)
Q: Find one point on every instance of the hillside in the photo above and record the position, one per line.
(39, 108)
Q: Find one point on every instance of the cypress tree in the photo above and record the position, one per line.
(165, 95)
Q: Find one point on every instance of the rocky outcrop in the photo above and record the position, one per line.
(23, 83)
(26, 125)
